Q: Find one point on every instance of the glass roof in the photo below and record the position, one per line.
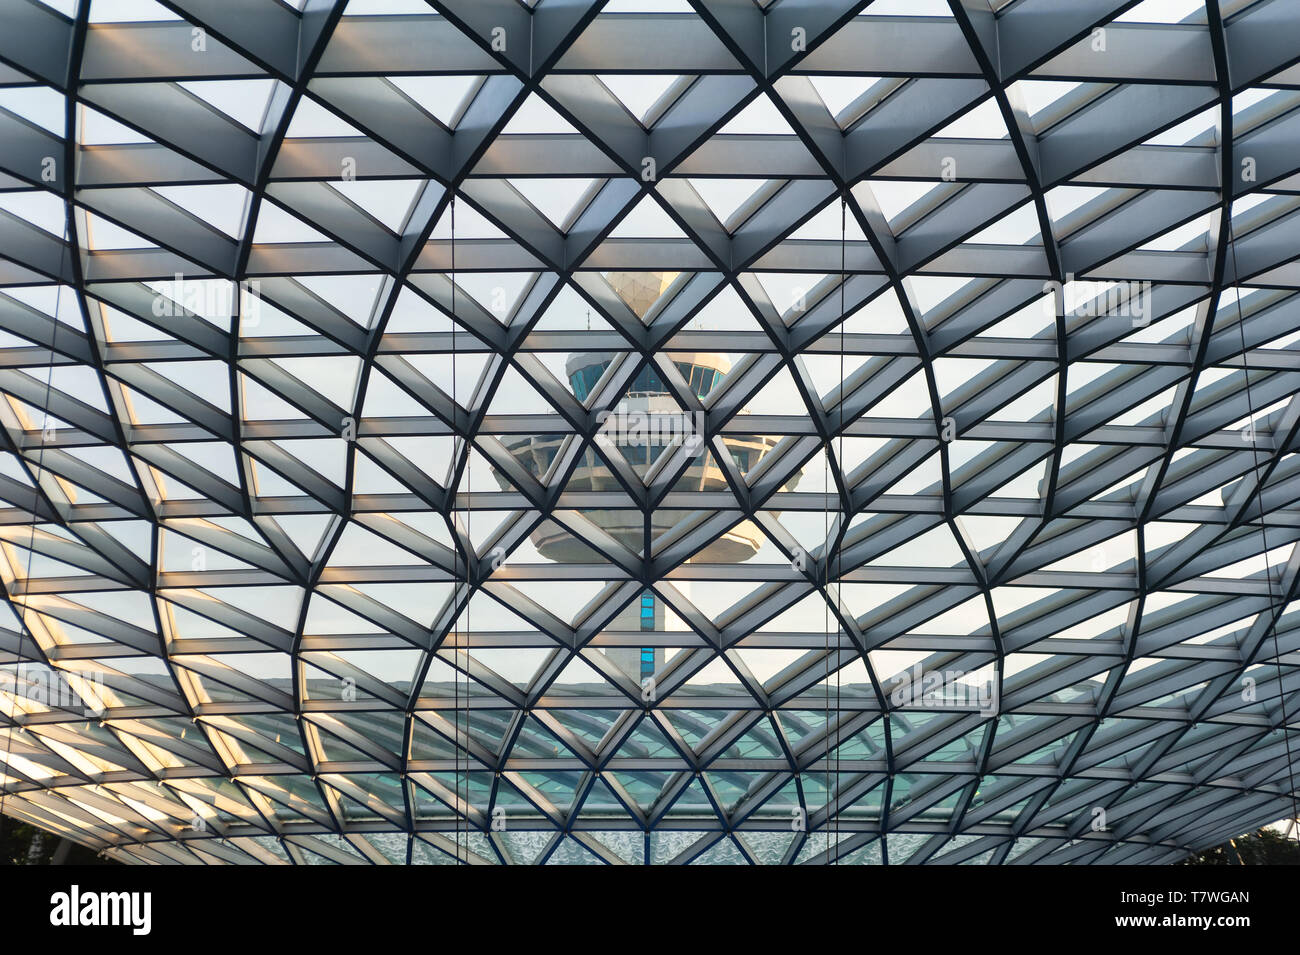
(649, 432)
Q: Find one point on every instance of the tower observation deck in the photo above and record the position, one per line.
(648, 400)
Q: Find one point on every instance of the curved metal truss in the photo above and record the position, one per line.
(978, 545)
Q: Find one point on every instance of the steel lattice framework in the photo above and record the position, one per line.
(1007, 290)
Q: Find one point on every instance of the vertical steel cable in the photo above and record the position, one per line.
(832, 757)
(457, 803)
(1274, 604)
(826, 684)
(824, 581)
(36, 498)
(844, 517)
(471, 565)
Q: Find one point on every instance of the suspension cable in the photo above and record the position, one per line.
(1274, 602)
(844, 517)
(14, 726)
(458, 807)
(824, 582)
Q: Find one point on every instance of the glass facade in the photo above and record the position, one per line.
(698, 378)
(649, 432)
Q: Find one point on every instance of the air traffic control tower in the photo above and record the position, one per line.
(647, 394)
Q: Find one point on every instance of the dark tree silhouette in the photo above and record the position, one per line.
(1262, 847)
(23, 844)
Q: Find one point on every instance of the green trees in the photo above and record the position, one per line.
(23, 844)
(1262, 847)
